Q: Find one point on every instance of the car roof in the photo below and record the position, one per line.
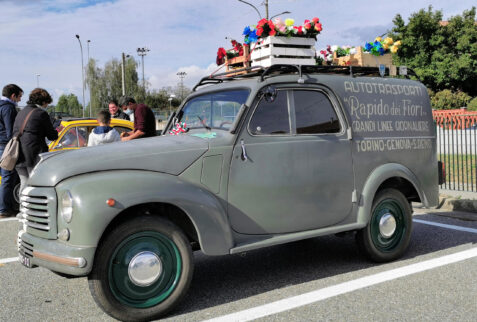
(92, 121)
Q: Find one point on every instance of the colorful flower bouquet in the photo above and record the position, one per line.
(380, 47)
(277, 27)
(236, 51)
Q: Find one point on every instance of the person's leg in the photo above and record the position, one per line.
(6, 190)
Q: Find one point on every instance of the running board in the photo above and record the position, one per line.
(286, 238)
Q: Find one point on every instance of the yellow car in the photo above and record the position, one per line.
(74, 133)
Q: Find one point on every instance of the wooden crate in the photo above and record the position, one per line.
(362, 58)
(239, 62)
(284, 50)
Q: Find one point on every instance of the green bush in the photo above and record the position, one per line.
(446, 100)
(472, 105)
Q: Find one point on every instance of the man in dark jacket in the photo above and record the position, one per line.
(11, 95)
(116, 112)
(144, 120)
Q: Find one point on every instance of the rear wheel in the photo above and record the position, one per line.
(142, 269)
(387, 235)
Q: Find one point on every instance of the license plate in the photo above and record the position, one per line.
(24, 260)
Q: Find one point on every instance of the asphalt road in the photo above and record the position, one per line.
(323, 279)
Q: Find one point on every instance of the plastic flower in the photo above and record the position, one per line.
(368, 47)
(385, 46)
(307, 25)
(397, 43)
(318, 27)
(289, 22)
(388, 41)
(280, 25)
(394, 49)
(378, 39)
(315, 20)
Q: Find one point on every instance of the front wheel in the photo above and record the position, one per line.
(387, 235)
(142, 269)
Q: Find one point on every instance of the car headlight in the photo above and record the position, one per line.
(67, 206)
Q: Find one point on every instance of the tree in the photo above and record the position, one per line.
(444, 56)
(106, 83)
(69, 104)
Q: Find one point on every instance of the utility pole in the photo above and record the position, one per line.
(143, 52)
(266, 9)
(123, 57)
(87, 66)
(82, 68)
(181, 76)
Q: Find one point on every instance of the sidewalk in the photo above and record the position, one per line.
(458, 201)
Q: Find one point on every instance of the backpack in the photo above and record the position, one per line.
(12, 149)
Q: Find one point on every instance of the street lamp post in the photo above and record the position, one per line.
(38, 80)
(143, 52)
(171, 97)
(123, 72)
(82, 69)
(283, 13)
(181, 76)
(251, 5)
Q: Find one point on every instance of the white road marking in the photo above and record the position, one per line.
(9, 219)
(459, 228)
(346, 287)
(8, 260)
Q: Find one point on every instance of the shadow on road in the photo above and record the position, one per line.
(225, 279)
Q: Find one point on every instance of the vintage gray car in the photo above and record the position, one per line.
(270, 157)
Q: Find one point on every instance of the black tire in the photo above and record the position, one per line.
(110, 280)
(382, 244)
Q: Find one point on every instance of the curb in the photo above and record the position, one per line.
(455, 204)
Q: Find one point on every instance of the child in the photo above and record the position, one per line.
(103, 133)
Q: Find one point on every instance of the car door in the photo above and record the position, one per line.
(291, 169)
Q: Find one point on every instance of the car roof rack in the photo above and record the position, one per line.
(283, 69)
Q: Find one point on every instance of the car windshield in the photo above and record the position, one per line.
(215, 110)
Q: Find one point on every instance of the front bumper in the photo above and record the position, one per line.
(56, 255)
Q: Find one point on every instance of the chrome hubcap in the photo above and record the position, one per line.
(387, 225)
(145, 268)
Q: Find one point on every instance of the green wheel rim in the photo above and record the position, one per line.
(382, 243)
(128, 293)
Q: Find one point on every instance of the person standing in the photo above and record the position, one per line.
(103, 133)
(115, 111)
(11, 95)
(37, 127)
(144, 120)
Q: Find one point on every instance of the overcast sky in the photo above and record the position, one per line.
(38, 36)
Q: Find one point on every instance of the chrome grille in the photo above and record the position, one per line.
(38, 210)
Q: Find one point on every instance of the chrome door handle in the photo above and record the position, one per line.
(244, 152)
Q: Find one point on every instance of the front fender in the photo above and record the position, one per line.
(92, 215)
(376, 178)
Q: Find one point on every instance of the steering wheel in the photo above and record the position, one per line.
(224, 122)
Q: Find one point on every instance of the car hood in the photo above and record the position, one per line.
(167, 154)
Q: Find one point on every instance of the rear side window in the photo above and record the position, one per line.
(271, 117)
(314, 113)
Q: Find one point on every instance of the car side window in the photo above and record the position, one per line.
(271, 117)
(69, 139)
(314, 113)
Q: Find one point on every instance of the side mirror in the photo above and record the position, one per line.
(270, 93)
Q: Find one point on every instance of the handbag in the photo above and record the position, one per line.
(12, 149)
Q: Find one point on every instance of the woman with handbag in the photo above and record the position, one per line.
(37, 126)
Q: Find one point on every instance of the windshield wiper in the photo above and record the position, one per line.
(203, 123)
